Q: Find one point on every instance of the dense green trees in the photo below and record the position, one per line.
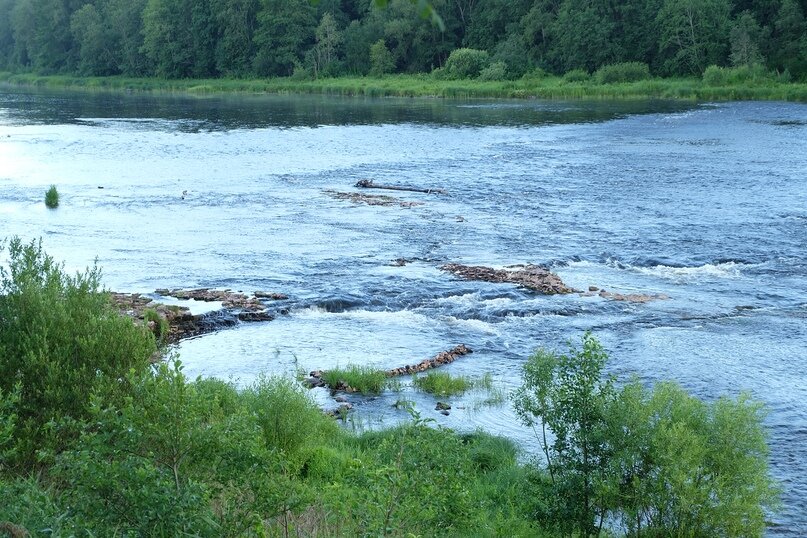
(242, 38)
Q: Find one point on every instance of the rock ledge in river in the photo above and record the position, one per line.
(533, 277)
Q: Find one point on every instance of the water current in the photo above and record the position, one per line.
(706, 203)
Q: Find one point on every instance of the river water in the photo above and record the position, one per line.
(706, 203)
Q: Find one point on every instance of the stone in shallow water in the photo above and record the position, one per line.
(533, 277)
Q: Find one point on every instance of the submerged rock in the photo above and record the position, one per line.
(533, 277)
(633, 297)
(371, 199)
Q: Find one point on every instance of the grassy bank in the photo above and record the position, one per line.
(547, 87)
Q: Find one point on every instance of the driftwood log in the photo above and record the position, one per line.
(369, 184)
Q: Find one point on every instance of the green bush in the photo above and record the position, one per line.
(466, 63)
(52, 197)
(715, 76)
(735, 76)
(681, 465)
(155, 464)
(622, 72)
(745, 74)
(30, 506)
(490, 452)
(535, 74)
(160, 324)
(288, 418)
(418, 484)
(576, 75)
(661, 462)
(60, 341)
(495, 71)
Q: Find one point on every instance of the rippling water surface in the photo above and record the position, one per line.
(706, 203)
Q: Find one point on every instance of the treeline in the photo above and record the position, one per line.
(269, 38)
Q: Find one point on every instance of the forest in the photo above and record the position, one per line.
(490, 39)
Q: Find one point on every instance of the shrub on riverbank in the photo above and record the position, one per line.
(622, 72)
(52, 197)
(660, 462)
(60, 341)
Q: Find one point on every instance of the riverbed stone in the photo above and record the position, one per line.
(533, 277)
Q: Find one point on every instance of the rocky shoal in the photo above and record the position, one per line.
(235, 307)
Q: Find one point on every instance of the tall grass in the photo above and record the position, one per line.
(363, 379)
(443, 384)
(424, 85)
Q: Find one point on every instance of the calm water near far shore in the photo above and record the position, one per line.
(706, 203)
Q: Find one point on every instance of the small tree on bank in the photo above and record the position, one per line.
(381, 60)
(659, 462)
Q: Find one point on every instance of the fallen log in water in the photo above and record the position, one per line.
(369, 184)
(315, 378)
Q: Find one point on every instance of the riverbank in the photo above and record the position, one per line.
(422, 85)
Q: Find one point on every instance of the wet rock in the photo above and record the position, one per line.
(313, 382)
(593, 288)
(444, 357)
(371, 199)
(340, 399)
(370, 184)
(633, 297)
(533, 277)
(182, 323)
(255, 316)
(340, 412)
(442, 406)
(271, 295)
(445, 412)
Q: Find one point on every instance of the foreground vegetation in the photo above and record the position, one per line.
(534, 86)
(97, 439)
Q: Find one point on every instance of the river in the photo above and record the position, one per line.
(706, 203)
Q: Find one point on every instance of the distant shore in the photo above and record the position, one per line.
(423, 85)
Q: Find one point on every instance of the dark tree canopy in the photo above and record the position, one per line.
(248, 38)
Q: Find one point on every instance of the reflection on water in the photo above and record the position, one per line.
(704, 203)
